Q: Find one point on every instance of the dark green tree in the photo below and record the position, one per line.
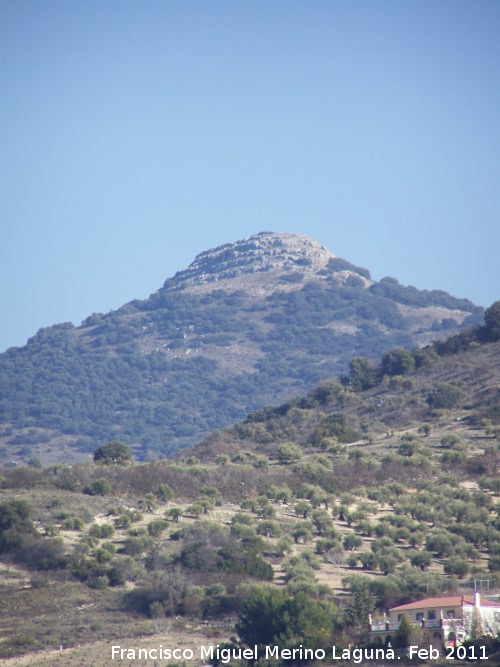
(15, 520)
(362, 374)
(101, 487)
(289, 453)
(397, 362)
(302, 531)
(421, 559)
(164, 493)
(492, 321)
(15, 513)
(322, 521)
(352, 542)
(303, 508)
(444, 396)
(270, 617)
(260, 619)
(407, 448)
(268, 528)
(175, 513)
(457, 565)
(356, 614)
(403, 635)
(113, 452)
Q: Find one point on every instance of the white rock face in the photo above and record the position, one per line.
(265, 253)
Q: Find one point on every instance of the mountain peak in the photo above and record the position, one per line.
(247, 324)
(264, 253)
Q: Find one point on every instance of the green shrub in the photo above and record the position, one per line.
(164, 493)
(244, 519)
(101, 530)
(156, 527)
(133, 546)
(397, 362)
(156, 610)
(101, 487)
(289, 453)
(444, 396)
(114, 452)
(101, 582)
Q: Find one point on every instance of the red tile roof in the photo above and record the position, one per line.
(451, 601)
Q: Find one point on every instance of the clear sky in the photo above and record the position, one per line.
(134, 135)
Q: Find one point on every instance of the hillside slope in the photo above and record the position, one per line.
(456, 390)
(354, 499)
(246, 324)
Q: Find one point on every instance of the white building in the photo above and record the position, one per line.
(447, 620)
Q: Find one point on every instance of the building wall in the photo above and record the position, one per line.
(449, 624)
(426, 613)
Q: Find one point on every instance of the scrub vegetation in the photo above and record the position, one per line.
(375, 490)
(160, 374)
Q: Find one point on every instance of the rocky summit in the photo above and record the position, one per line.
(247, 324)
(263, 256)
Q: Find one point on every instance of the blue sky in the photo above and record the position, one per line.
(134, 135)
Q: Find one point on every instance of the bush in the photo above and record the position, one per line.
(362, 374)
(453, 456)
(73, 523)
(261, 463)
(156, 527)
(39, 581)
(397, 362)
(335, 426)
(15, 521)
(492, 321)
(40, 553)
(114, 452)
(101, 530)
(133, 546)
(457, 566)
(164, 493)
(444, 396)
(268, 528)
(15, 513)
(167, 588)
(270, 617)
(369, 560)
(448, 441)
(352, 542)
(101, 582)
(101, 487)
(421, 559)
(156, 610)
(289, 453)
(194, 510)
(241, 518)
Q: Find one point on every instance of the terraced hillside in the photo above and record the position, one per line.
(347, 500)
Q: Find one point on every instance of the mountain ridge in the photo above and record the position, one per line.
(247, 324)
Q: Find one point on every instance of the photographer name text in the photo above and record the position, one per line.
(225, 655)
